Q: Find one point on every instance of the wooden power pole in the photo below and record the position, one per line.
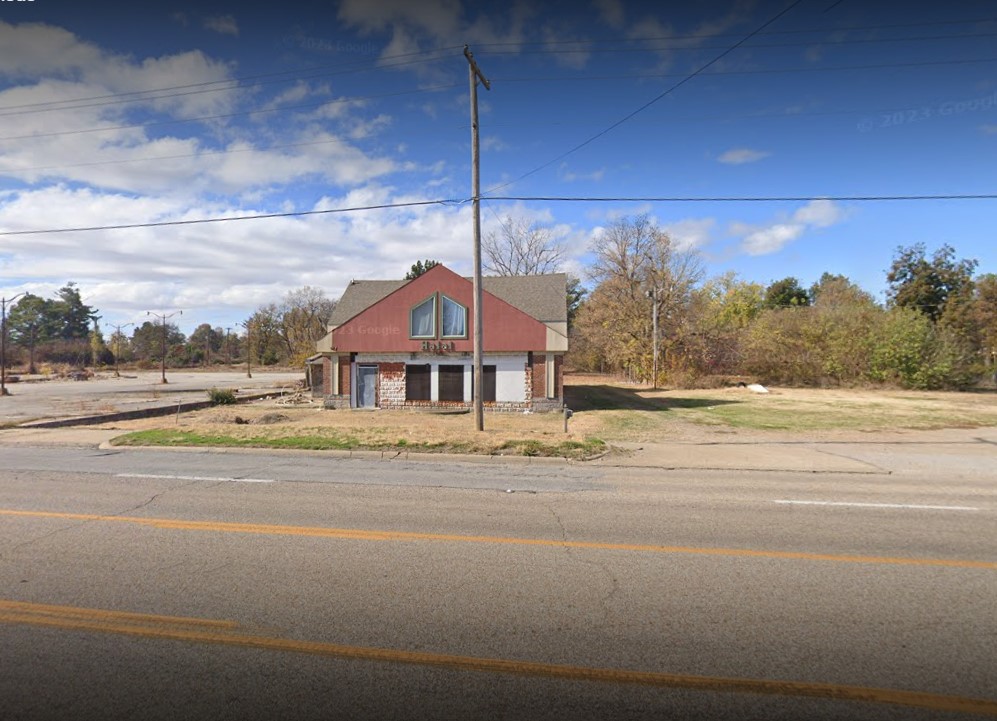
(475, 74)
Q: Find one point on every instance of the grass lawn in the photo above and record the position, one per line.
(606, 411)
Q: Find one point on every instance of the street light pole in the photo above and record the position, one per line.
(3, 342)
(163, 317)
(117, 346)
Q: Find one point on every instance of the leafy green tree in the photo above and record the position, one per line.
(71, 315)
(205, 342)
(575, 296)
(786, 293)
(265, 346)
(985, 315)
(914, 352)
(29, 323)
(420, 267)
(927, 285)
(837, 290)
(147, 341)
(722, 309)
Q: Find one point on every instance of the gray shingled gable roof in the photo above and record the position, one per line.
(540, 296)
(543, 297)
(360, 295)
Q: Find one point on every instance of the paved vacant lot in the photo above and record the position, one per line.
(104, 393)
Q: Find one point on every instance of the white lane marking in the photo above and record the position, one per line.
(879, 505)
(214, 479)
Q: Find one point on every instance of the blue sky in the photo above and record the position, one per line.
(120, 114)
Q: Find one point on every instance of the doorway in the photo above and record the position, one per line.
(366, 386)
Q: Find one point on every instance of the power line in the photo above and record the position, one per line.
(651, 49)
(203, 87)
(654, 100)
(206, 153)
(201, 221)
(306, 106)
(699, 36)
(774, 71)
(524, 198)
(738, 199)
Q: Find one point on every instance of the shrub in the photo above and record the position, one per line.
(221, 396)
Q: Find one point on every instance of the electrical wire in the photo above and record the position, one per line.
(202, 221)
(654, 100)
(523, 198)
(200, 88)
(738, 199)
(753, 46)
(306, 106)
(766, 32)
(773, 71)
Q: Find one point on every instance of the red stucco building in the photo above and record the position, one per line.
(409, 344)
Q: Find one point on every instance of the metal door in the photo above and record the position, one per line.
(366, 386)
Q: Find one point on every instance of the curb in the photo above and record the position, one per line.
(151, 412)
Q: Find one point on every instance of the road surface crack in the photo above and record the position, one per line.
(580, 556)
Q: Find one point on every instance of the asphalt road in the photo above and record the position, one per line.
(164, 585)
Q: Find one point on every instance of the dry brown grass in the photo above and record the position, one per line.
(608, 409)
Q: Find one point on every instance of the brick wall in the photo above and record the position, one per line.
(559, 376)
(391, 388)
(539, 389)
(344, 375)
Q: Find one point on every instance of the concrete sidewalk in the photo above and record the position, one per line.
(954, 452)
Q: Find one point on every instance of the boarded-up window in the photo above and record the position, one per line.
(451, 383)
(488, 389)
(488, 385)
(417, 382)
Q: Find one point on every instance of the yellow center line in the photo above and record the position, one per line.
(375, 535)
(196, 630)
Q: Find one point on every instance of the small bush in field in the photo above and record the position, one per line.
(222, 396)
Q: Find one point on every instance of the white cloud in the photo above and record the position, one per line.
(989, 129)
(772, 237)
(819, 214)
(223, 24)
(690, 233)
(611, 11)
(219, 271)
(571, 176)
(739, 156)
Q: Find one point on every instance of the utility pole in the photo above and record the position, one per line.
(248, 325)
(653, 295)
(3, 342)
(117, 346)
(163, 317)
(475, 74)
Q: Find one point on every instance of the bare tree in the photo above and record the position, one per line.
(303, 314)
(522, 248)
(637, 267)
